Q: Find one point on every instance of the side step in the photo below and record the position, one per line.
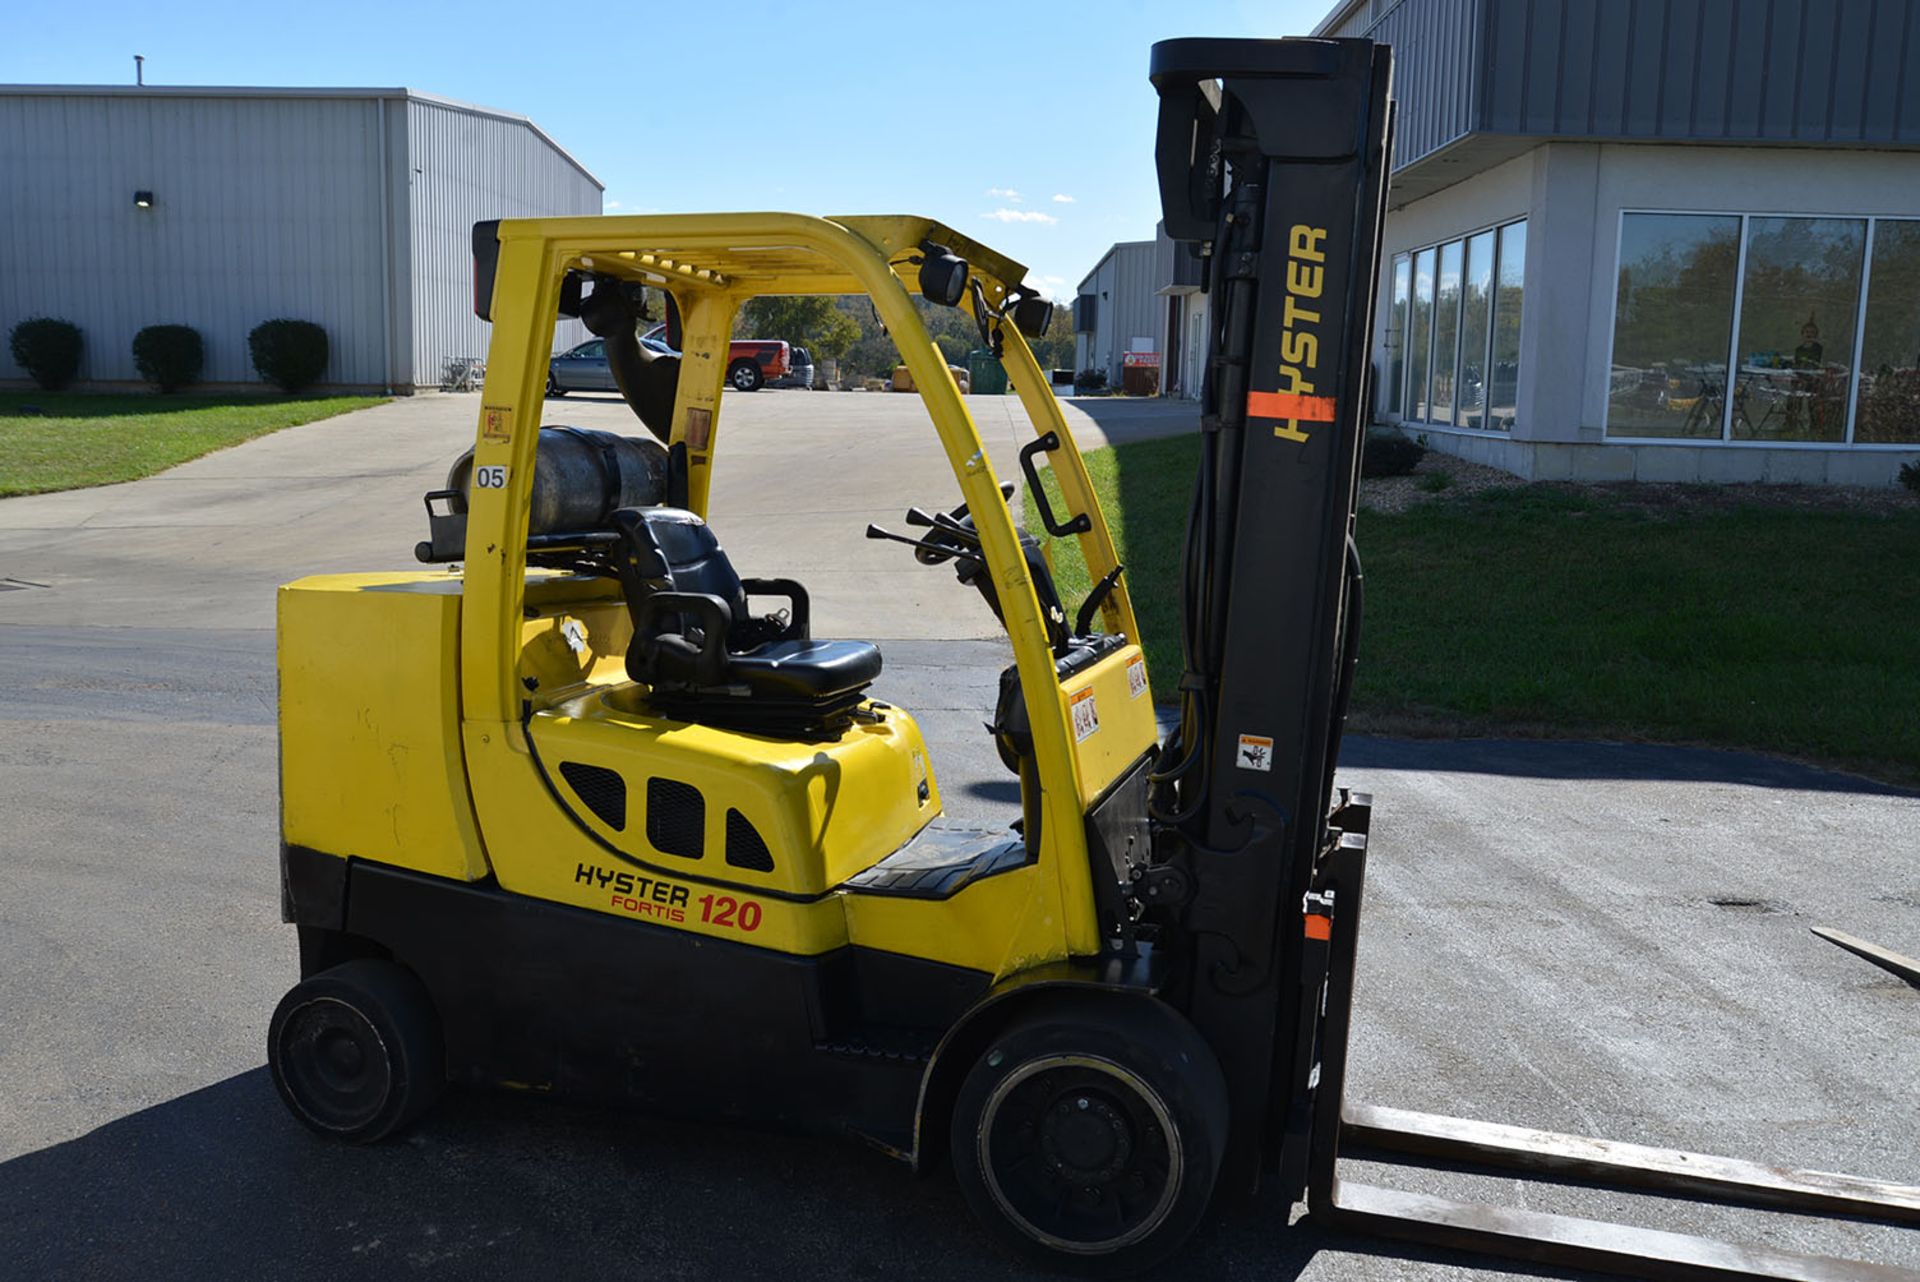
(1581, 1244)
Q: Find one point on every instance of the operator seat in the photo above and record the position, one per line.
(706, 658)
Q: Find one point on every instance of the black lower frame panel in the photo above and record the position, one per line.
(533, 994)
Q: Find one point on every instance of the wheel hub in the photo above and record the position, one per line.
(1086, 1140)
(1080, 1153)
(335, 1064)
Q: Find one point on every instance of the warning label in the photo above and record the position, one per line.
(496, 424)
(1136, 676)
(1256, 753)
(1086, 714)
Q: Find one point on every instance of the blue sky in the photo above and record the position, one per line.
(1028, 126)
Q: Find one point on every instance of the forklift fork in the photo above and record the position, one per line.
(1558, 1240)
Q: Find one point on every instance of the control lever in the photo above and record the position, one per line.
(875, 532)
(944, 523)
(1095, 599)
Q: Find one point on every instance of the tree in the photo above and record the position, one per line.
(810, 322)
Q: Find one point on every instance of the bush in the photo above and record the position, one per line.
(1090, 380)
(1390, 452)
(169, 356)
(290, 354)
(1910, 476)
(48, 349)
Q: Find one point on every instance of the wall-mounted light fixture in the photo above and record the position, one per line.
(143, 200)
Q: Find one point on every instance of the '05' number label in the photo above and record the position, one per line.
(490, 478)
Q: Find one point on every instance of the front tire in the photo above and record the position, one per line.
(553, 385)
(745, 376)
(1088, 1138)
(355, 1051)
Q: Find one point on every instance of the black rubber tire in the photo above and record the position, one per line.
(1047, 1067)
(745, 376)
(553, 386)
(355, 1051)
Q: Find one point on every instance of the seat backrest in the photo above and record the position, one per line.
(679, 553)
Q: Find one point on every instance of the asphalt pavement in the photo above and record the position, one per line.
(1602, 938)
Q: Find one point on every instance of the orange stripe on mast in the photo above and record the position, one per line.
(1291, 406)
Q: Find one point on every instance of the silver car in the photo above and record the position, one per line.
(584, 368)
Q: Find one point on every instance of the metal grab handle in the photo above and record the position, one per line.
(1081, 523)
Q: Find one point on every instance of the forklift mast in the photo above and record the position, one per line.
(1272, 158)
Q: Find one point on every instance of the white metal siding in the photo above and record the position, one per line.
(264, 207)
(1128, 307)
(463, 168)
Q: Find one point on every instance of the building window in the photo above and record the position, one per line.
(1397, 332)
(1420, 336)
(1446, 333)
(1673, 322)
(1889, 412)
(1509, 296)
(1770, 307)
(1799, 301)
(1462, 301)
(1476, 312)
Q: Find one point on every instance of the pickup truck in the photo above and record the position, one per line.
(751, 362)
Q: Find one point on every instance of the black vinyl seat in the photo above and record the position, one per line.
(703, 653)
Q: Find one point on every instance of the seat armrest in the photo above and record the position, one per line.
(800, 611)
(709, 611)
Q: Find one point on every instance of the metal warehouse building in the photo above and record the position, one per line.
(351, 208)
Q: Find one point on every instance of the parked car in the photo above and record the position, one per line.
(800, 375)
(751, 362)
(584, 368)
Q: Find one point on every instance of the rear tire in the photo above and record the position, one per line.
(745, 376)
(1088, 1137)
(355, 1051)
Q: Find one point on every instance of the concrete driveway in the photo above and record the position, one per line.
(800, 476)
(1608, 939)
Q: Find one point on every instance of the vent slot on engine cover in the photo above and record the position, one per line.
(745, 847)
(676, 818)
(603, 791)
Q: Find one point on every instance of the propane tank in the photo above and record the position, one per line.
(580, 477)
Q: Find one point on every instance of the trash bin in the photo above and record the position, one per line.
(988, 375)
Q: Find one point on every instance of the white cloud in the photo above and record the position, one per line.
(1062, 199)
(1020, 216)
(1004, 193)
(611, 204)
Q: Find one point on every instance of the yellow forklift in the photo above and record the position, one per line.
(578, 809)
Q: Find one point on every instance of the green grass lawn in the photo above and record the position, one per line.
(81, 439)
(1538, 610)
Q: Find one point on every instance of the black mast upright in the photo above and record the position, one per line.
(1272, 157)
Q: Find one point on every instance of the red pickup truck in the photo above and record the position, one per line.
(750, 361)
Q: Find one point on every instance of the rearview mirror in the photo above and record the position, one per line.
(1032, 316)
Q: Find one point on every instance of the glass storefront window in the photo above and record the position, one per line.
(1889, 411)
(1673, 325)
(1420, 336)
(1453, 333)
(1798, 304)
(1397, 332)
(1503, 386)
(1476, 311)
(1446, 332)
